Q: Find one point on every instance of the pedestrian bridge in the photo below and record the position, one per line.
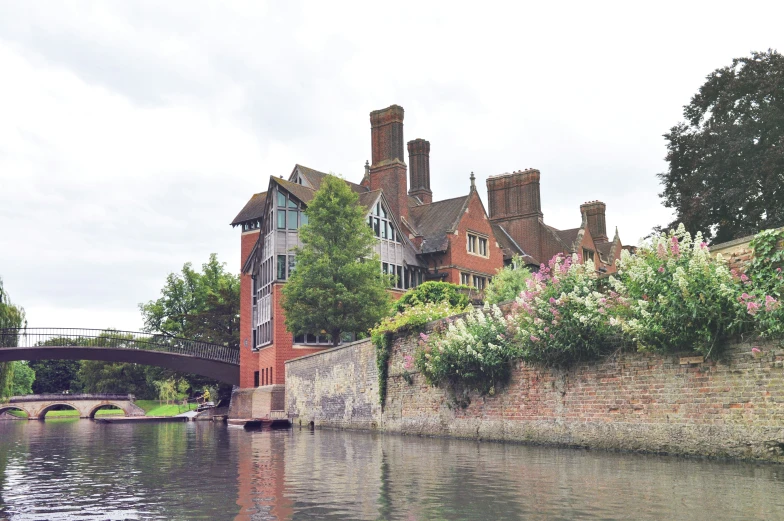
(37, 405)
(180, 354)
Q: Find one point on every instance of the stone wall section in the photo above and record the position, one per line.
(337, 387)
(631, 401)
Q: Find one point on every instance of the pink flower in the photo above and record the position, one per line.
(752, 307)
(661, 251)
(408, 362)
(534, 339)
(703, 245)
(778, 270)
(745, 296)
(743, 277)
(424, 337)
(755, 352)
(771, 303)
(661, 269)
(552, 300)
(547, 329)
(675, 247)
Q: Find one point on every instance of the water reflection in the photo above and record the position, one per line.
(84, 470)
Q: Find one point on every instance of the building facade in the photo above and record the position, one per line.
(418, 239)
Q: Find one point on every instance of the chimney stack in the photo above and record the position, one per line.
(593, 213)
(419, 164)
(514, 195)
(388, 170)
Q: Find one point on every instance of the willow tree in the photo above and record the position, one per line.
(337, 285)
(11, 316)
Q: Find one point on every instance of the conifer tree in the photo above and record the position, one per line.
(337, 285)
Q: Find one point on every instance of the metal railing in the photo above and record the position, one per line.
(70, 397)
(73, 337)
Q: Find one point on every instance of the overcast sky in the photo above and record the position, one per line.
(131, 133)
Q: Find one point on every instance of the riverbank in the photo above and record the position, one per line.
(639, 402)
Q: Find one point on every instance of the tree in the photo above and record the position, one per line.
(198, 306)
(11, 316)
(726, 161)
(337, 285)
(55, 376)
(22, 382)
(116, 378)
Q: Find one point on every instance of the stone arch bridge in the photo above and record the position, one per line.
(180, 354)
(37, 405)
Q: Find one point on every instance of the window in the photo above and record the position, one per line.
(303, 219)
(476, 245)
(471, 243)
(381, 223)
(256, 379)
(281, 219)
(479, 282)
(281, 267)
(587, 254)
(465, 279)
(293, 219)
(281, 199)
(399, 280)
(292, 264)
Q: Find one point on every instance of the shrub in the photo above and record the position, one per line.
(508, 283)
(474, 352)
(562, 317)
(433, 293)
(763, 284)
(410, 319)
(679, 296)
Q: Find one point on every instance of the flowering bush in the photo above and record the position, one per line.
(562, 317)
(412, 318)
(474, 352)
(763, 283)
(679, 296)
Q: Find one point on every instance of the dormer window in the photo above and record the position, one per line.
(477, 245)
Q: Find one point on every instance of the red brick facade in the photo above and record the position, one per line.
(249, 360)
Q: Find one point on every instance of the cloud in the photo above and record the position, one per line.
(132, 133)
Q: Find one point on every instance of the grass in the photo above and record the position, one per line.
(151, 408)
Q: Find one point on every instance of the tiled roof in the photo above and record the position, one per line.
(568, 237)
(368, 198)
(303, 193)
(253, 209)
(510, 247)
(435, 220)
(315, 178)
(605, 250)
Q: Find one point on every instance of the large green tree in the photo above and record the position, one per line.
(55, 376)
(726, 161)
(11, 316)
(198, 305)
(337, 285)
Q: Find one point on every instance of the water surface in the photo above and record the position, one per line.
(79, 469)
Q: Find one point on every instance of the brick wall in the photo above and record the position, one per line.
(632, 401)
(248, 359)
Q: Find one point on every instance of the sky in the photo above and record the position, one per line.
(132, 133)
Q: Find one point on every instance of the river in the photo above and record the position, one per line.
(78, 469)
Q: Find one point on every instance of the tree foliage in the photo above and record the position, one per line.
(55, 376)
(508, 283)
(198, 306)
(337, 285)
(13, 317)
(726, 161)
(23, 376)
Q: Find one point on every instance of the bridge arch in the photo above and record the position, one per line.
(190, 356)
(5, 407)
(91, 413)
(41, 414)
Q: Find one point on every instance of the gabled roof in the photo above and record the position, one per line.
(435, 220)
(368, 199)
(253, 209)
(569, 237)
(303, 193)
(315, 178)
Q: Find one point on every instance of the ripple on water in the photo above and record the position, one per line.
(83, 471)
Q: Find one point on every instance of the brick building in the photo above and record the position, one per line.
(452, 240)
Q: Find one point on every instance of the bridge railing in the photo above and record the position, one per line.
(113, 339)
(70, 397)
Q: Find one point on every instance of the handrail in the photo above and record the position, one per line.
(70, 397)
(42, 337)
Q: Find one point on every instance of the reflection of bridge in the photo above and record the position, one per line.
(37, 405)
(180, 354)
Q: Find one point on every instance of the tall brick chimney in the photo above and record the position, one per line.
(419, 165)
(593, 214)
(388, 170)
(513, 202)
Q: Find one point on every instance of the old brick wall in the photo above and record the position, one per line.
(337, 387)
(631, 401)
